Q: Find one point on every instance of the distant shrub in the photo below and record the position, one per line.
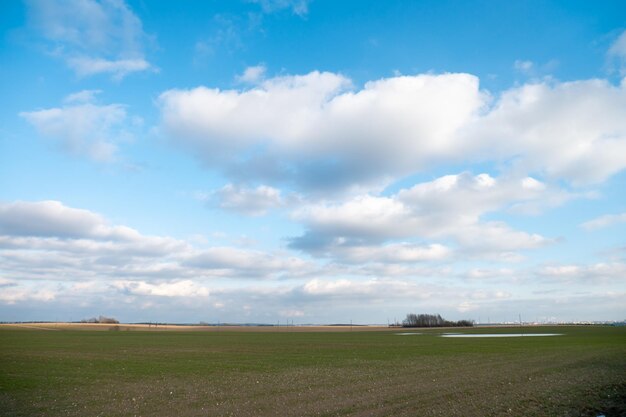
(100, 319)
(110, 320)
(91, 320)
(433, 320)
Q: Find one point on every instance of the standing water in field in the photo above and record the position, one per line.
(500, 334)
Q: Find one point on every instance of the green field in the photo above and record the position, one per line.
(168, 373)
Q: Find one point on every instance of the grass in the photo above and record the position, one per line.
(163, 373)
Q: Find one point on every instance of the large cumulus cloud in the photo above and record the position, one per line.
(318, 130)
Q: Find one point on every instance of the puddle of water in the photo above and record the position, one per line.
(406, 334)
(500, 334)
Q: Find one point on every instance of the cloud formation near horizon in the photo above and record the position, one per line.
(99, 262)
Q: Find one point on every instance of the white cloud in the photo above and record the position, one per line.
(489, 274)
(498, 241)
(591, 273)
(252, 75)
(312, 130)
(390, 253)
(316, 131)
(297, 7)
(466, 196)
(13, 295)
(363, 216)
(251, 201)
(447, 207)
(617, 52)
(84, 128)
(184, 288)
(202, 115)
(66, 259)
(318, 286)
(408, 293)
(535, 70)
(84, 96)
(525, 67)
(86, 66)
(563, 270)
(53, 219)
(292, 313)
(228, 261)
(467, 306)
(604, 221)
(228, 33)
(48, 239)
(575, 130)
(92, 36)
(371, 288)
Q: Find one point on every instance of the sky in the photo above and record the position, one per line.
(312, 161)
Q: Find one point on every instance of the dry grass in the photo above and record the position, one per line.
(189, 328)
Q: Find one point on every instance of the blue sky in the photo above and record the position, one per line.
(314, 161)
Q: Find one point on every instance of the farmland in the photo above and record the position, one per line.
(158, 372)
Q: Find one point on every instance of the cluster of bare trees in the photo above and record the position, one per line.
(100, 319)
(432, 320)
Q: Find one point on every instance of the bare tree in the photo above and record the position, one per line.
(100, 319)
(110, 320)
(432, 320)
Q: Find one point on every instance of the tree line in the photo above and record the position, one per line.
(100, 319)
(433, 320)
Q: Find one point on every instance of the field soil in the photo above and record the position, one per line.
(79, 371)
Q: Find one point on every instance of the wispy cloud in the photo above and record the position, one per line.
(525, 67)
(604, 221)
(617, 53)
(85, 66)
(93, 37)
(576, 273)
(251, 201)
(297, 7)
(227, 34)
(84, 96)
(82, 127)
